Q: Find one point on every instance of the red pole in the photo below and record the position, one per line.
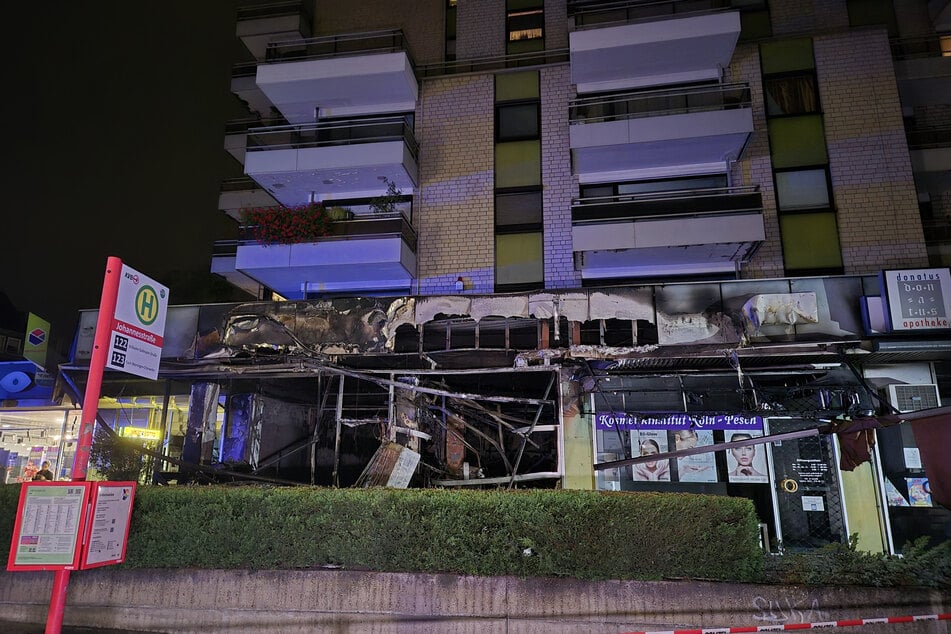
(97, 364)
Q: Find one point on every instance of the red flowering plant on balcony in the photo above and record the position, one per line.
(287, 225)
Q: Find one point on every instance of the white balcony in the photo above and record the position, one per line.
(658, 246)
(369, 255)
(342, 159)
(244, 86)
(236, 134)
(653, 52)
(655, 134)
(223, 264)
(339, 76)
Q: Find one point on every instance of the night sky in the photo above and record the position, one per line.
(114, 146)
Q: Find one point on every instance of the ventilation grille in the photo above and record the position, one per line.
(911, 398)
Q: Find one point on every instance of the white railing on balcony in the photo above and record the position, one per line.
(328, 134)
(370, 42)
(597, 13)
(653, 103)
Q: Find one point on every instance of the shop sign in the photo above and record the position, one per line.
(141, 433)
(37, 340)
(138, 326)
(917, 299)
(722, 422)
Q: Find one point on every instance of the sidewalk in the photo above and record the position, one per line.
(12, 627)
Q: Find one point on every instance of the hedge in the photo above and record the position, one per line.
(581, 534)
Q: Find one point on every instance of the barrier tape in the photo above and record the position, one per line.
(803, 626)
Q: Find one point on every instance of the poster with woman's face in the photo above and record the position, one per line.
(700, 467)
(648, 443)
(746, 464)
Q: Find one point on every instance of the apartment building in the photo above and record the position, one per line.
(539, 242)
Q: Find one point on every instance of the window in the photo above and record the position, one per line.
(450, 30)
(802, 189)
(789, 95)
(518, 164)
(807, 220)
(517, 121)
(518, 210)
(518, 180)
(518, 260)
(810, 243)
(797, 141)
(755, 24)
(787, 55)
(525, 26)
(516, 86)
(517, 130)
(873, 12)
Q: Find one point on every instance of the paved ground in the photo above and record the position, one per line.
(12, 627)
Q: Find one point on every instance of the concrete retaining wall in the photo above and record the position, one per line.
(347, 601)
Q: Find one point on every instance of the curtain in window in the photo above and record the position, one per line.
(791, 95)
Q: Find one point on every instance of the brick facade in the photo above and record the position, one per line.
(423, 22)
(559, 183)
(789, 17)
(454, 217)
(873, 185)
(556, 24)
(872, 181)
(755, 167)
(480, 28)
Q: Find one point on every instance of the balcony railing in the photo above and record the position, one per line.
(241, 126)
(717, 200)
(275, 10)
(378, 225)
(244, 69)
(595, 13)
(658, 103)
(923, 138)
(239, 184)
(921, 46)
(485, 64)
(389, 41)
(344, 132)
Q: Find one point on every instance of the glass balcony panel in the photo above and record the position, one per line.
(630, 205)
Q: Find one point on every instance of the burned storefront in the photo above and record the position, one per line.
(735, 386)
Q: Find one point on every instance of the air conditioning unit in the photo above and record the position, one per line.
(908, 397)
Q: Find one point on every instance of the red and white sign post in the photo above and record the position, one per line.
(128, 338)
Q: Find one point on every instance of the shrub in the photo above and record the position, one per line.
(581, 534)
(843, 564)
